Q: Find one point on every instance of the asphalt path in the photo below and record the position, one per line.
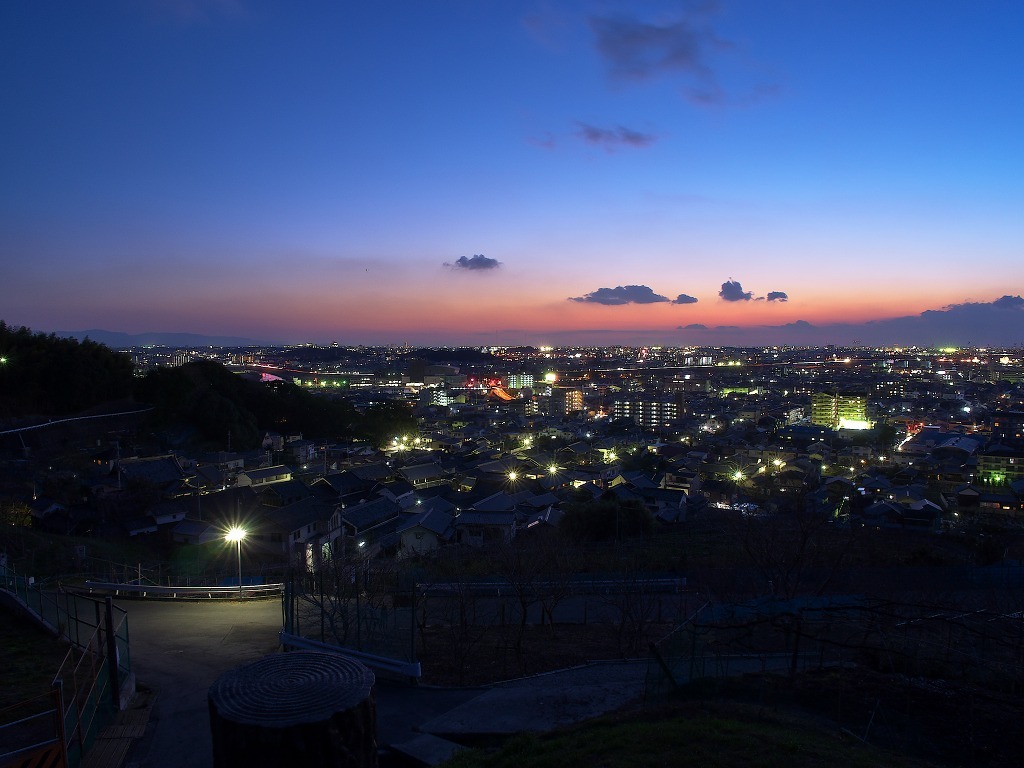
(178, 650)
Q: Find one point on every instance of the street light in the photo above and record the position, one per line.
(236, 535)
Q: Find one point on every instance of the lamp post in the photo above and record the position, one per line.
(236, 535)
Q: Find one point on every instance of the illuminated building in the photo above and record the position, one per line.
(520, 380)
(566, 400)
(1008, 427)
(1001, 465)
(646, 412)
(840, 410)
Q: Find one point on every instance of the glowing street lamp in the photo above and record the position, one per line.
(236, 535)
(513, 475)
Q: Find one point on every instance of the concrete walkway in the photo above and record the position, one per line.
(179, 649)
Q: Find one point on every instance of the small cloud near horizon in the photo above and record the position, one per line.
(475, 263)
(623, 294)
(732, 290)
(683, 298)
(777, 296)
(692, 327)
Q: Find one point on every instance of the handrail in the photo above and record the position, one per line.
(185, 592)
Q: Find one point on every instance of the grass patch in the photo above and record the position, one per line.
(29, 657)
(722, 734)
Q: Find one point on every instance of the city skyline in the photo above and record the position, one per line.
(530, 173)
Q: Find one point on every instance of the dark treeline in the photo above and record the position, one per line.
(215, 402)
(203, 402)
(46, 375)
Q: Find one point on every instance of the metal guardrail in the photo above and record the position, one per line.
(192, 592)
(574, 587)
(410, 669)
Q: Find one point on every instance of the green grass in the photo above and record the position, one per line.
(719, 735)
(29, 659)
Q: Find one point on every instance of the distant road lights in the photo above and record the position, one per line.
(236, 535)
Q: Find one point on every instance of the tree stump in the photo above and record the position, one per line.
(299, 708)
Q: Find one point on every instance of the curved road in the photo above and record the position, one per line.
(178, 650)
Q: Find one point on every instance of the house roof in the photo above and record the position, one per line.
(437, 521)
(265, 473)
(422, 472)
(369, 513)
(496, 502)
(375, 472)
(158, 470)
(497, 519)
(298, 514)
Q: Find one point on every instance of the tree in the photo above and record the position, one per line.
(382, 422)
(606, 519)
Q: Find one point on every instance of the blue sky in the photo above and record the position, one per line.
(820, 172)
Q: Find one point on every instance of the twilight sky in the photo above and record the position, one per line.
(499, 172)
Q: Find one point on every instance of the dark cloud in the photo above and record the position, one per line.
(1008, 302)
(682, 298)
(733, 291)
(685, 47)
(777, 296)
(636, 50)
(693, 327)
(613, 138)
(476, 262)
(998, 323)
(623, 294)
(544, 141)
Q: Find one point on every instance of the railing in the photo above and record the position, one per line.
(186, 592)
(409, 669)
(92, 673)
(571, 586)
(41, 735)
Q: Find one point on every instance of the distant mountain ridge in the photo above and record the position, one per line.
(118, 340)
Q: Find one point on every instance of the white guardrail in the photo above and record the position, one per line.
(193, 592)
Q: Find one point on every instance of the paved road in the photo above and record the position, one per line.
(179, 649)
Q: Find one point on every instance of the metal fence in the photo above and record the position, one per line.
(87, 688)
